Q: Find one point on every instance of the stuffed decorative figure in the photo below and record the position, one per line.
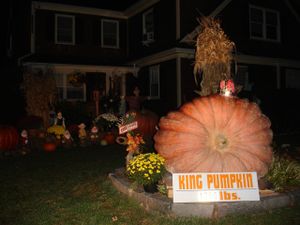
(67, 139)
(24, 142)
(135, 101)
(24, 138)
(82, 134)
(60, 120)
(94, 134)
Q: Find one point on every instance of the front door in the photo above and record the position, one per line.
(95, 81)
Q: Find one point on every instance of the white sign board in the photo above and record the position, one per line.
(128, 127)
(215, 187)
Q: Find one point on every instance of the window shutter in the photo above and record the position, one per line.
(96, 32)
(79, 31)
(50, 28)
(144, 81)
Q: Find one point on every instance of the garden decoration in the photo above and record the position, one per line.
(53, 138)
(49, 146)
(134, 141)
(82, 134)
(227, 88)
(59, 120)
(147, 123)
(109, 137)
(146, 119)
(9, 138)
(215, 132)
(134, 101)
(94, 136)
(127, 122)
(106, 122)
(67, 139)
(134, 145)
(146, 169)
(57, 131)
(23, 142)
(213, 57)
(24, 138)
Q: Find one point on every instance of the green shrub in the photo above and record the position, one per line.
(283, 173)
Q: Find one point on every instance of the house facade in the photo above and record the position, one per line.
(151, 42)
(266, 62)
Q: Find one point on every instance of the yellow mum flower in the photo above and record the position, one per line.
(146, 168)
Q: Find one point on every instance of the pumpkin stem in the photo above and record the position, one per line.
(221, 142)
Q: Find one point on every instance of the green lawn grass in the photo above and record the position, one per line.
(71, 186)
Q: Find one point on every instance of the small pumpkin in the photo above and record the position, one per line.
(215, 134)
(49, 146)
(9, 138)
(109, 137)
(147, 122)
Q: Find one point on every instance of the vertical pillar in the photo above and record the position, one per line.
(178, 80)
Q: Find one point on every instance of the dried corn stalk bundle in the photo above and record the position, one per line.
(213, 56)
(40, 91)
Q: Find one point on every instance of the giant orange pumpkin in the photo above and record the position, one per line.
(9, 138)
(215, 134)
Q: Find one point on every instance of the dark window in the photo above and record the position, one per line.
(154, 81)
(110, 33)
(64, 29)
(264, 24)
(148, 26)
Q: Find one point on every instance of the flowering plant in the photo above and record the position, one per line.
(106, 121)
(56, 130)
(146, 168)
(127, 118)
(134, 142)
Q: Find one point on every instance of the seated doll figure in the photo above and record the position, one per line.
(24, 138)
(59, 120)
(94, 134)
(82, 134)
(67, 139)
(24, 143)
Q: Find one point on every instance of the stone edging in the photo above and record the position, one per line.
(268, 200)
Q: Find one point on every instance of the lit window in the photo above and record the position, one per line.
(64, 29)
(110, 33)
(154, 84)
(69, 92)
(148, 26)
(264, 24)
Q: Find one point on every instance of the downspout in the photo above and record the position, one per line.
(178, 81)
(32, 36)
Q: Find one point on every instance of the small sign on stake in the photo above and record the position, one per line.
(128, 127)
